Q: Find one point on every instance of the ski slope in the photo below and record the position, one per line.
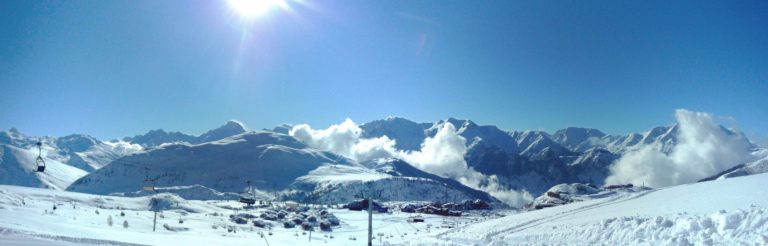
(721, 212)
(27, 218)
(18, 167)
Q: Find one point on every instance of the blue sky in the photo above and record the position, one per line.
(118, 68)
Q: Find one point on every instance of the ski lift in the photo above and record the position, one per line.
(40, 162)
(248, 197)
(149, 184)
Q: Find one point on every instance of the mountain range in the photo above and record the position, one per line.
(225, 158)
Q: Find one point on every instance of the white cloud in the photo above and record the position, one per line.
(344, 139)
(703, 149)
(442, 154)
(124, 147)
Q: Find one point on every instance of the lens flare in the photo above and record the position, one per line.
(250, 9)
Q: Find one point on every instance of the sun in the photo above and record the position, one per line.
(250, 9)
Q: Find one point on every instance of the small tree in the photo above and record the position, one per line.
(109, 220)
(125, 224)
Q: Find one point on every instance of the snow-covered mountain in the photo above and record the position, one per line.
(18, 167)
(77, 150)
(158, 137)
(270, 160)
(408, 134)
(229, 129)
(535, 160)
(224, 158)
(744, 169)
(578, 139)
(390, 179)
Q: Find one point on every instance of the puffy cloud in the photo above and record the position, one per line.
(443, 155)
(124, 147)
(703, 149)
(344, 139)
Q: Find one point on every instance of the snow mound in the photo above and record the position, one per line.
(736, 227)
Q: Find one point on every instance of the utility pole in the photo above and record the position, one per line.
(369, 195)
(370, 220)
(154, 221)
(152, 188)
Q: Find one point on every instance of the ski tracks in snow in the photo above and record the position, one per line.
(488, 238)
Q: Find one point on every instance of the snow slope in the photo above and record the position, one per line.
(751, 168)
(77, 150)
(731, 211)
(18, 167)
(392, 180)
(83, 219)
(224, 165)
(721, 212)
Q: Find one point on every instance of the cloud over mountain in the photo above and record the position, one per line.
(442, 154)
(703, 148)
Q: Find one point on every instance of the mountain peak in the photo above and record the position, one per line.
(571, 137)
(235, 124)
(231, 128)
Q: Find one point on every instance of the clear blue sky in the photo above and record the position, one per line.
(118, 68)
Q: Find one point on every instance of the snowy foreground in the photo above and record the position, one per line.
(722, 212)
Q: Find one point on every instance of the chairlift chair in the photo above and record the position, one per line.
(248, 197)
(40, 162)
(148, 184)
(247, 200)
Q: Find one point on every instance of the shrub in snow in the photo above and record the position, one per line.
(240, 220)
(289, 224)
(303, 215)
(332, 219)
(269, 215)
(307, 226)
(262, 224)
(297, 220)
(312, 219)
(325, 225)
